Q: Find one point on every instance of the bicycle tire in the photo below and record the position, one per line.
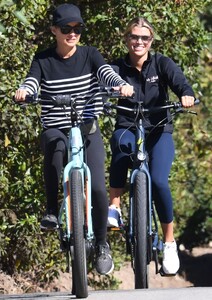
(140, 230)
(79, 262)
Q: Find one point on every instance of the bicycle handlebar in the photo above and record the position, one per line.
(68, 99)
(138, 107)
(105, 93)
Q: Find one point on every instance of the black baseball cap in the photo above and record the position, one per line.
(66, 13)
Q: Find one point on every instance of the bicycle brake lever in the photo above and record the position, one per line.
(180, 110)
(183, 110)
(191, 112)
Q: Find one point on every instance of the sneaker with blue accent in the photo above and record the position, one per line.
(114, 217)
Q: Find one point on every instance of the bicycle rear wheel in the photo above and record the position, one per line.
(140, 230)
(79, 263)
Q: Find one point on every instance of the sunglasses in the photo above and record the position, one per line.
(68, 29)
(144, 38)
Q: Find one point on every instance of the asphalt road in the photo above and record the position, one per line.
(193, 293)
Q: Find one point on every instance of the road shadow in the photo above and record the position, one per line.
(196, 269)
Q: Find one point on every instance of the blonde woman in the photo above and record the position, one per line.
(151, 75)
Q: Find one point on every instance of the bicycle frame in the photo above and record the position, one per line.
(76, 161)
(140, 164)
(140, 154)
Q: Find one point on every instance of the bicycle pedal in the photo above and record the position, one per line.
(48, 229)
(163, 274)
(121, 228)
(113, 228)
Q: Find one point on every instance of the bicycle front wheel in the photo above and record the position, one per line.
(79, 263)
(140, 192)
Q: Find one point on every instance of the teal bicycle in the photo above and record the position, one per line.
(75, 227)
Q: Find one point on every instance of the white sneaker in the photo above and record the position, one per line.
(171, 263)
(114, 217)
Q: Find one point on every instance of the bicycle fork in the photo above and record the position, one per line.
(141, 165)
(76, 157)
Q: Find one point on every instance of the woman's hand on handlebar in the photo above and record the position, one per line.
(20, 95)
(187, 101)
(125, 90)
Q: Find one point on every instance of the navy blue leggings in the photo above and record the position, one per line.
(54, 147)
(160, 148)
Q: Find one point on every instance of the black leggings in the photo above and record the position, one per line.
(54, 146)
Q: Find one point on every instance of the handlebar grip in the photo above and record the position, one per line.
(110, 92)
(31, 98)
(179, 104)
(28, 99)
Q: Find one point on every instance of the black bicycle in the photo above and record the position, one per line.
(141, 229)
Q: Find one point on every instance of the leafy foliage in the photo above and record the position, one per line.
(21, 185)
(24, 29)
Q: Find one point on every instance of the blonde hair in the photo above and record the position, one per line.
(140, 22)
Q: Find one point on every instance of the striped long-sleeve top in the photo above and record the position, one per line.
(78, 75)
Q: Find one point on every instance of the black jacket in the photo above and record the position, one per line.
(151, 87)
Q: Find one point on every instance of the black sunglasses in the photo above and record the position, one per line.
(68, 29)
(144, 38)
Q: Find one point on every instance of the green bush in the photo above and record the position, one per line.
(24, 29)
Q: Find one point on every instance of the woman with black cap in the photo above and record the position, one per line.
(72, 69)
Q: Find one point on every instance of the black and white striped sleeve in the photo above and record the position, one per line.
(32, 81)
(108, 76)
